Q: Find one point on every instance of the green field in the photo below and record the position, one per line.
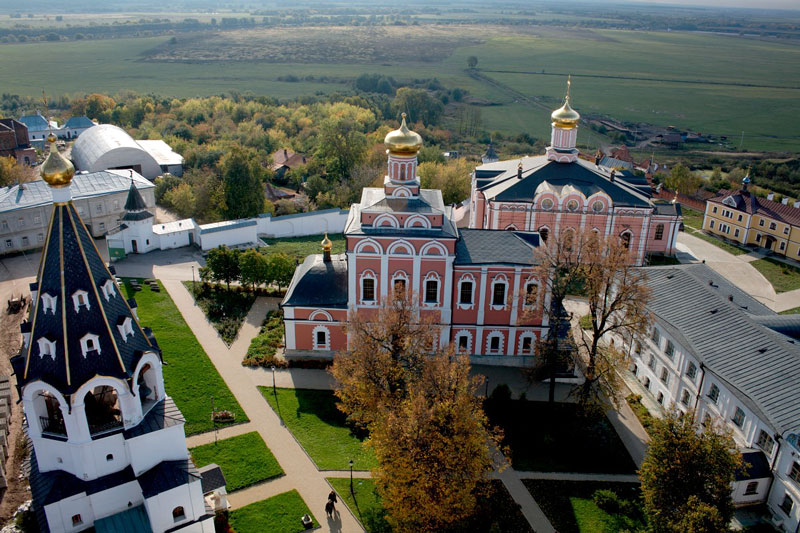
(321, 429)
(245, 460)
(279, 514)
(751, 85)
(784, 278)
(183, 356)
(300, 247)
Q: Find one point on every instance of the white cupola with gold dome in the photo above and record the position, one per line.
(402, 146)
(564, 135)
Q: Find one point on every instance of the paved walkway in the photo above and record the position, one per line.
(579, 476)
(301, 474)
(738, 270)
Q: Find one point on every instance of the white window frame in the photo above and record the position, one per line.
(400, 276)
(432, 276)
(368, 274)
(49, 303)
(467, 278)
(108, 289)
(494, 335)
(499, 279)
(47, 347)
(527, 335)
(126, 328)
(321, 347)
(81, 298)
(535, 302)
(463, 333)
(95, 344)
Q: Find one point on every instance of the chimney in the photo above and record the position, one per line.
(519, 170)
(771, 196)
(785, 200)
(284, 154)
(611, 177)
(797, 204)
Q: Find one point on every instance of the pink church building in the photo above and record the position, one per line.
(559, 192)
(479, 283)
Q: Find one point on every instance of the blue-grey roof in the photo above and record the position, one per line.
(70, 262)
(227, 225)
(486, 246)
(162, 415)
(502, 184)
(212, 477)
(38, 193)
(35, 122)
(318, 283)
(760, 366)
(756, 466)
(167, 475)
(79, 122)
(133, 520)
(788, 325)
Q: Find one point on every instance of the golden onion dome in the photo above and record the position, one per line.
(56, 170)
(326, 244)
(565, 117)
(403, 141)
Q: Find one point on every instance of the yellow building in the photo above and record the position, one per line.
(742, 217)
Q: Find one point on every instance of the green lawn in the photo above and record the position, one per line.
(570, 507)
(245, 460)
(692, 217)
(794, 311)
(225, 309)
(300, 247)
(728, 247)
(494, 512)
(554, 438)
(183, 358)
(314, 420)
(783, 277)
(641, 412)
(279, 514)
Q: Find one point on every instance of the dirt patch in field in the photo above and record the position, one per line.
(383, 44)
(18, 491)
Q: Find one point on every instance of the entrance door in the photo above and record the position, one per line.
(135, 248)
(769, 242)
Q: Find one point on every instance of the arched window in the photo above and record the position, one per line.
(526, 343)
(465, 290)
(368, 287)
(102, 409)
(499, 286)
(626, 239)
(178, 514)
(463, 341)
(80, 298)
(568, 239)
(431, 289)
(531, 294)
(544, 233)
(148, 384)
(659, 232)
(494, 343)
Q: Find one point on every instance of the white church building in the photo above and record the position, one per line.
(109, 449)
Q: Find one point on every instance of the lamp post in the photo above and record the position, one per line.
(194, 289)
(351, 478)
(274, 390)
(214, 420)
(487, 387)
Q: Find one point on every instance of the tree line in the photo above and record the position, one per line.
(251, 268)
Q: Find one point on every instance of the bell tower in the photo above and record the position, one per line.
(402, 146)
(564, 136)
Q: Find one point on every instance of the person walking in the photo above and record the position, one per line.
(332, 497)
(329, 508)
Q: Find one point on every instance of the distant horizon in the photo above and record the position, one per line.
(790, 5)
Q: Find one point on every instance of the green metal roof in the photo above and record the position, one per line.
(133, 520)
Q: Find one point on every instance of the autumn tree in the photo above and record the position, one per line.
(341, 146)
(11, 172)
(425, 421)
(687, 475)
(603, 270)
(683, 180)
(419, 104)
(244, 187)
(181, 199)
(452, 178)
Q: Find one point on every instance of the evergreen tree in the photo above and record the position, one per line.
(244, 188)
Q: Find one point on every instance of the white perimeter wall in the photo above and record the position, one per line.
(302, 224)
(229, 237)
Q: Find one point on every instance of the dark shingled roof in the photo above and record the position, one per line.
(212, 478)
(135, 202)
(133, 216)
(760, 366)
(69, 249)
(167, 475)
(317, 283)
(751, 204)
(757, 466)
(503, 184)
(484, 246)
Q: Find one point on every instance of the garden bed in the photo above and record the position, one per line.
(184, 357)
(320, 428)
(245, 460)
(554, 437)
(641, 412)
(265, 345)
(300, 247)
(226, 309)
(279, 514)
(572, 506)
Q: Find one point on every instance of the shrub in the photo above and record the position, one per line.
(501, 393)
(607, 500)
(264, 346)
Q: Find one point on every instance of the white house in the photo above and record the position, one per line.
(717, 352)
(109, 449)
